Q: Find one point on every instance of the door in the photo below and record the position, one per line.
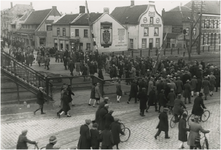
(150, 43)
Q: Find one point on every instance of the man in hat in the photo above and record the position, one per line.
(109, 118)
(95, 136)
(198, 106)
(23, 140)
(205, 86)
(102, 113)
(193, 84)
(40, 100)
(163, 124)
(143, 100)
(116, 131)
(182, 134)
(195, 128)
(97, 119)
(187, 92)
(85, 136)
(52, 142)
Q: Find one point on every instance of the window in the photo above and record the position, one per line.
(58, 31)
(85, 33)
(131, 43)
(151, 20)
(156, 31)
(64, 32)
(203, 24)
(76, 32)
(144, 43)
(206, 23)
(211, 24)
(49, 27)
(216, 24)
(157, 43)
(88, 46)
(146, 31)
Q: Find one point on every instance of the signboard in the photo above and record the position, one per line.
(106, 34)
(150, 25)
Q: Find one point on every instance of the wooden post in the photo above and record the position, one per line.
(18, 96)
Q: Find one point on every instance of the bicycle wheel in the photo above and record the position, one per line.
(172, 122)
(190, 118)
(206, 115)
(205, 144)
(122, 126)
(126, 136)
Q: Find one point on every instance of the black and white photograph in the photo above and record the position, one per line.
(110, 74)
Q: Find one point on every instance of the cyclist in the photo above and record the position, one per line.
(194, 136)
(178, 108)
(198, 106)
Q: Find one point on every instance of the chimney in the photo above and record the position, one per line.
(11, 5)
(163, 11)
(81, 9)
(106, 10)
(132, 3)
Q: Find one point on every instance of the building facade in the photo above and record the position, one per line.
(144, 25)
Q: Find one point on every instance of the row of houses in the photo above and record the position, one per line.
(128, 27)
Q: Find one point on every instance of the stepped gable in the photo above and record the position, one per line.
(129, 14)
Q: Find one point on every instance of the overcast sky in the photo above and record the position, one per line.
(68, 6)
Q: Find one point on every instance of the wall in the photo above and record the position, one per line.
(145, 21)
(133, 34)
(118, 39)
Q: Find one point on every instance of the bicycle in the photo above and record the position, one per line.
(172, 120)
(205, 144)
(124, 137)
(204, 118)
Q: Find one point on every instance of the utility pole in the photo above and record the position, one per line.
(200, 27)
(191, 31)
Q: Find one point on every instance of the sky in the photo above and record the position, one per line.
(72, 6)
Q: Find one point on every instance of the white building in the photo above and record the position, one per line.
(144, 24)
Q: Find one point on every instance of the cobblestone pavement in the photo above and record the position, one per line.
(41, 127)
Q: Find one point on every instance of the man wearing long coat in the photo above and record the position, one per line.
(187, 92)
(179, 85)
(198, 105)
(205, 86)
(143, 100)
(85, 136)
(109, 119)
(116, 131)
(182, 135)
(102, 113)
(193, 84)
(40, 100)
(163, 124)
(133, 92)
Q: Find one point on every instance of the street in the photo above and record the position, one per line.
(143, 129)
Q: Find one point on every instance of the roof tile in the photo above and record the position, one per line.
(37, 17)
(66, 19)
(83, 20)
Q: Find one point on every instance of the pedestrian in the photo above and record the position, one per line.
(116, 131)
(92, 96)
(118, 91)
(71, 66)
(205, 86)
(194, 135)
(97, 118)
(65, 106)
(85, 136)
(109, 118)
(100, 74)
(23, 140)
(171, 98)
(163, 124)
(102, 113)
(98, 94)
(182, 134)
(38, 59)
(40, 100)
(107, 139)
(179, 85)
(152, 99)
(142, 96)
(198, 106)
(95, 136)
(52, 142)
(71, 103)
(193, 84)
(187, 92)
(162, 100)
(47, 61)
(133, 91)
(212, 80)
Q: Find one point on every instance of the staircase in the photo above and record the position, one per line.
(25, 76)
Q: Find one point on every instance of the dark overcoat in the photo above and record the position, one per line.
(187, 90)
(22, 142)
(85, 138)
(66, 101)
(162, 99)
(108, 119)
(97, 119)
(116, 131)
(152, 98)
(92, 92)
(133, 90)
(118, 90)
(179, 85)
(143, 99)
(40, 98)
(163, 123)
(177, 109)
(102, 113)
(182, 135)
(198, 106)
(107, 139)
(205, 86)
(95, 139)
(171, 98)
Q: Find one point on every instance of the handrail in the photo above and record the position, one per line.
(22, 64)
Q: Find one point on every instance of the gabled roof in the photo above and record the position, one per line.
(211, 7)
(83, 20)
(128, 14)
(180, 8)
(36, 17)
(66, 19)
